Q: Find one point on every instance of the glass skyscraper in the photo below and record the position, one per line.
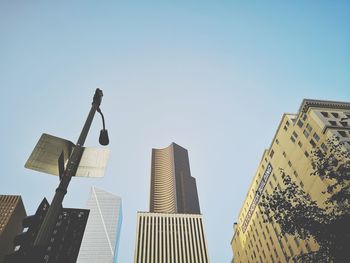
(101, 238)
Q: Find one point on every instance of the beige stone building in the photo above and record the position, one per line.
(173, 229)
(297, 135)
(12, 213)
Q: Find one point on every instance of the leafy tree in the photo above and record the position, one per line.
(297, 214)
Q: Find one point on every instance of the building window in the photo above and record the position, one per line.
(312, 143)
(324, 147)
(335, 114)
(324, 114)
(295, 134)
(308, 247)
(290, 249)
(264, 237)
(344, 123)
(304, 116)
(284, 154)
(271, 153)
(289, 163)
(333, 123)
(301, 184)
(292, 139)
(316, 137)
(300, 144)
(306, 154)
(296, 241)
(306, 133)
(343, 133)
(277, 141)
(300, 123)
(274, 177)
(286, 126)
(295, 173)
(308, 127)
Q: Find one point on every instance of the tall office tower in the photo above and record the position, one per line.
(173, 230)
(296, 137)
(173, 189)
(66, 237)
(64, 241)
(12, 213)
(101, 239)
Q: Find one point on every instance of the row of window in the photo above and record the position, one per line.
(333, 114)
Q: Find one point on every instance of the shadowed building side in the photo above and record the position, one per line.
(186, 188)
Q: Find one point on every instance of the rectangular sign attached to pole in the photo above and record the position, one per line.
(51, 153)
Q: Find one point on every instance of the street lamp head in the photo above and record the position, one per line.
(104, 140)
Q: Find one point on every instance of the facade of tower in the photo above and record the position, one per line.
(173, 189)
(173, 229)
(101, 238)
(63, 243)
(12, 213)
(296, 137)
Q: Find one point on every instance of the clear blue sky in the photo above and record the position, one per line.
(212, 76)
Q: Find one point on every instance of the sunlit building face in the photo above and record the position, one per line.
(296, 137)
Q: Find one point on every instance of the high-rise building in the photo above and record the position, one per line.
(12, 213)
(101, 239)
(296, 137)
(173, 231)
(64, 240)
(173, 189)
(66, 236)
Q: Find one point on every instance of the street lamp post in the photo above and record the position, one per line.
(70, 170)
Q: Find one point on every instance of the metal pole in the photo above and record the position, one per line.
(72, 166)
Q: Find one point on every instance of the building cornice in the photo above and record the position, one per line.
(309, 103)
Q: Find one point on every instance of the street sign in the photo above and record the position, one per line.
(51, 154)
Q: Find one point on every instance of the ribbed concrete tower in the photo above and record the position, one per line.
(173, 230)
(173, 189)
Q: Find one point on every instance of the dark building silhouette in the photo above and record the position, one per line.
(12, 213)
(64, 241)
